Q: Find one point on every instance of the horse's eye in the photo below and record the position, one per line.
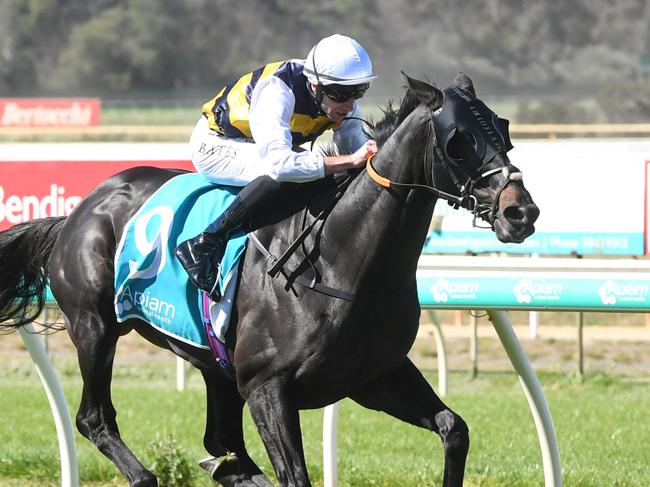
(453, 148)
(461, 146)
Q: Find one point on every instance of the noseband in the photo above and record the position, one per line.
(465, 198)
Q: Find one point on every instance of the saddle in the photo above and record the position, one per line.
(150, 284)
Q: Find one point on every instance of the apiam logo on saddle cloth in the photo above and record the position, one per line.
(150, 283)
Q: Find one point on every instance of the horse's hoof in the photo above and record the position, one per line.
(219, 466)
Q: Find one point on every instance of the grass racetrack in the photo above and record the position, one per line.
(602, 422)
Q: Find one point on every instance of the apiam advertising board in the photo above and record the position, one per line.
(36, 189)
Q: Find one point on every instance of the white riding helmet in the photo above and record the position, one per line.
(340, 60)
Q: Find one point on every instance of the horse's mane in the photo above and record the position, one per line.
(393, 117)
(384, 128)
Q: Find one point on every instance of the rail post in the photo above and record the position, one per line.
(441, 351)
(330, 454)
(534, 395)
(58, 404)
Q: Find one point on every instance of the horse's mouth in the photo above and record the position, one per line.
(515, 220)
(508, 233)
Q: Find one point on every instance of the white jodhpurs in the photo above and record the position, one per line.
(224, 161)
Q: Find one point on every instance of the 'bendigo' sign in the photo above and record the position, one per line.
(49, 112)
(38, 189)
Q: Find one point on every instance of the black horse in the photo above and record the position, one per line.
(292, 347)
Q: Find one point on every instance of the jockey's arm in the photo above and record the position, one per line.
(272, 106)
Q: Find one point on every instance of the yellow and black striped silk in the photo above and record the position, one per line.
(227, 112)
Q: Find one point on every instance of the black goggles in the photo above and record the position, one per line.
(341, 93)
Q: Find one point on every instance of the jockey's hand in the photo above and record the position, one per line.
(353, 161)
(362, 154)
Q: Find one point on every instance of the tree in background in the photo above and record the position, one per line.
(568, 50)
(122, 45)
(32, 35)
(134, 44)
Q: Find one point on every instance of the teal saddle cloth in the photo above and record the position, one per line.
(150, 283)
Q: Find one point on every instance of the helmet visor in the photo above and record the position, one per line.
(341, 93)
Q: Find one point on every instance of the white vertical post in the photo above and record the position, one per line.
(533, 316)
(581, 348)
(533, 323)
(473, 345)
(534, 395)
(180, 374)
(58, 404)
(330, 467)
(442, 354)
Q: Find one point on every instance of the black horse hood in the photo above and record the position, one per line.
(462, 111)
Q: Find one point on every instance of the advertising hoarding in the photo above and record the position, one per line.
(37, 189)
(49, 112)
(591, 199)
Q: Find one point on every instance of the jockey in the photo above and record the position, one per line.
(250, 132)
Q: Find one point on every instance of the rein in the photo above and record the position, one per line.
(388, 184)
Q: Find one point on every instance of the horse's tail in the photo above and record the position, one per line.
(24, 253)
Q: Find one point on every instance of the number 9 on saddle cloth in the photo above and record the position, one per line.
(150, 283)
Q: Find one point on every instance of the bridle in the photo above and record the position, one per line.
(432, 154)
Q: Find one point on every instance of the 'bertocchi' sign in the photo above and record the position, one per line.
(49, 112)
(39, 189)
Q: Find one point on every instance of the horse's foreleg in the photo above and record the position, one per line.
(224, 438)
(406, 395)
(278, 424)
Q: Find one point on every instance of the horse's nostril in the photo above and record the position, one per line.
(521, 214)
(514, 214)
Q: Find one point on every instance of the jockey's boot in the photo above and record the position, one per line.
(201, 256)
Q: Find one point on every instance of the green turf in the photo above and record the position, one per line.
(603, 424)
(187, 115)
